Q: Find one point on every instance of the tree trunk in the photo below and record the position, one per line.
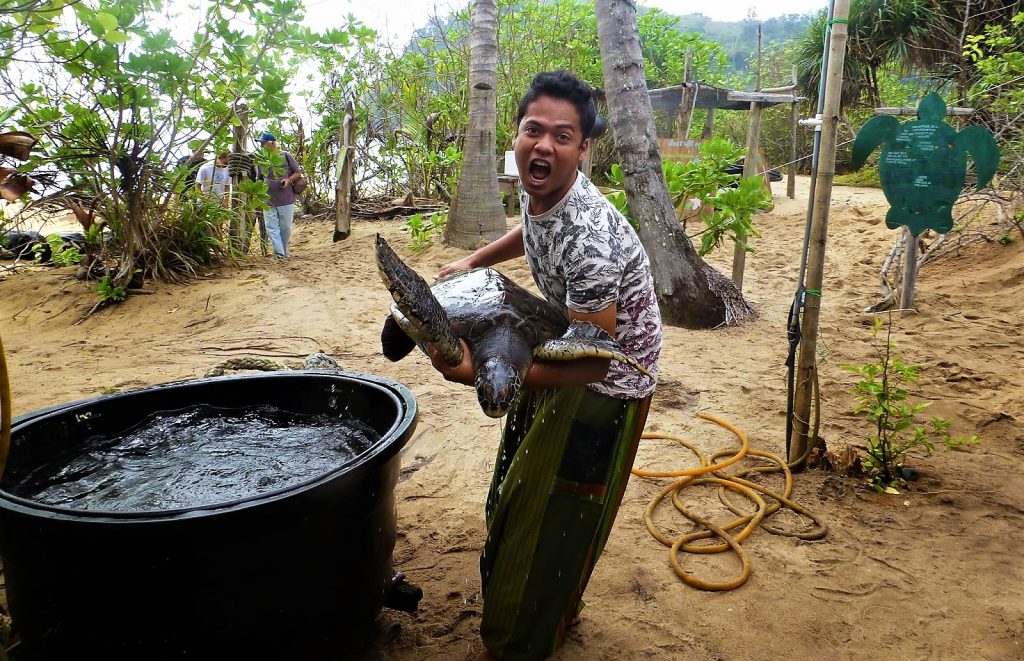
(690, 293)
(476, 215)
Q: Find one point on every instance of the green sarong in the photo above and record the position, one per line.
(562, 467)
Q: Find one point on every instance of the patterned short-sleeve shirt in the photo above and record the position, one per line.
(585, 256)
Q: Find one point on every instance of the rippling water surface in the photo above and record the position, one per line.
(197, 456)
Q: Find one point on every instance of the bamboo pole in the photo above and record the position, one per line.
(794, 130)
(806, 368)
(346, 176)
(954, 112)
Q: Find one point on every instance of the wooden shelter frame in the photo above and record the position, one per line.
(684, 98)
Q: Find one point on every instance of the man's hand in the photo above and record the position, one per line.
(461, 373)
(459, 265)
(284, 183)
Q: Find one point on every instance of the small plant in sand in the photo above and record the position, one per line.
(422, 231)
(882, 398)
(109, 292)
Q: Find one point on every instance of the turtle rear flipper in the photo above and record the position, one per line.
(417, 303)
(584, 340)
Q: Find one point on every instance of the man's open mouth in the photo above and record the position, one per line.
(539, 170)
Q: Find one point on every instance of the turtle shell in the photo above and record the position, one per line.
(480, 299)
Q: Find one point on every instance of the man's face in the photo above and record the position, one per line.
(270, 145)
(549, 147)
(222, 162)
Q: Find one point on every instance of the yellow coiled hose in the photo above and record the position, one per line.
(725, 482)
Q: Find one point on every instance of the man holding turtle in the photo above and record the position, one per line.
(571, 436)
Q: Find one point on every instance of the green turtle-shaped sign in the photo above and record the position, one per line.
(924, 164)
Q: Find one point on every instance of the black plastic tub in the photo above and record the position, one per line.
(296, 573)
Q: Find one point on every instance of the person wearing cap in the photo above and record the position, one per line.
(281, 214)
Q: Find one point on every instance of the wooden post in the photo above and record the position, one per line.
(794, 131)
(818, 235)
(739, 255)
(346, 176)
(239, 231)
(709, 125)
(757, 83)
(909, 272)
(586, 166)
(686, 100)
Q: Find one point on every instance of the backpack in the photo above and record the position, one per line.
(299, 184)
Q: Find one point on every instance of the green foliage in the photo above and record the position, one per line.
(59, 255)
(866, 176)
(422, 231)
(196, 236)
(733, 214)
(882, 398)
(732, 201)
(999, 58)
(120, 98)
(109, 292)
(414, 104)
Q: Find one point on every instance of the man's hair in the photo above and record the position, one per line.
(562, 85)
(223, 156)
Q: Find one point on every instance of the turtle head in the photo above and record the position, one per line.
(497, 384)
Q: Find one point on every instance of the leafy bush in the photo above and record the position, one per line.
(59, 255)
(196, 237)
(423, 231)
(732, 200)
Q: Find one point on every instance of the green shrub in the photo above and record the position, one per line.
(423, 231)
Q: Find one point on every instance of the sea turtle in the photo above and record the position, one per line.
(924, 164)
(505, 326)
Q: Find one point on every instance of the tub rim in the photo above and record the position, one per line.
(390, 443)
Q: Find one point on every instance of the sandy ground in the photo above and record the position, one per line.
(932, 573)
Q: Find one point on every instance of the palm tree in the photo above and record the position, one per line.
(476, 214)
(690, 293)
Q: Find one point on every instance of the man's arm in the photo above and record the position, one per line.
(558, 374)
(293, 165)
(543, 374)
(507, 247)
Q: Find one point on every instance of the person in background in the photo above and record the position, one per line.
(213, 177)
(570, 438)
(281, 214)
(192, 162)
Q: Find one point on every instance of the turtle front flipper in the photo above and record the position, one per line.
(585, 340)
(417, 304)
(876, 131)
